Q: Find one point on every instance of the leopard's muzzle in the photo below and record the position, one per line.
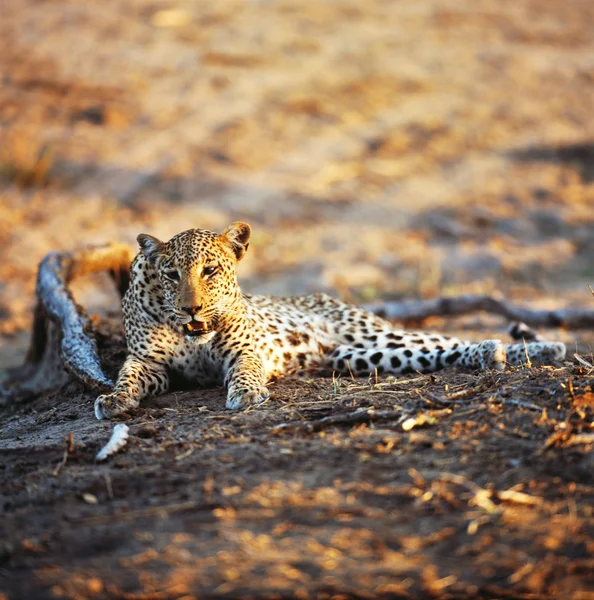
(196, 328)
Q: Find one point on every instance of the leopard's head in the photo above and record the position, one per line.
(196, 270)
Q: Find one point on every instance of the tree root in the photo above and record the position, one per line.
(62, 340)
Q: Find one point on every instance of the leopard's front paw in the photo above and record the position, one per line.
(110, 405)
(238, 399)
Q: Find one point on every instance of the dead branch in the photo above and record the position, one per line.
(520, 403)
(67, 450)
(519, 498)
(357, 416)
(418, 310)
(61, 333)
(580, 438)
(455, 397)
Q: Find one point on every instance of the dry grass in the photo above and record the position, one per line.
(24, 160)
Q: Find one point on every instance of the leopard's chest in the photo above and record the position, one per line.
(192, 360)
(195, 362)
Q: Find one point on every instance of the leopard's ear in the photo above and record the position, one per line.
(150, 246)
(237, 235)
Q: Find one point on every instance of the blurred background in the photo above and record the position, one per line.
(379, 149)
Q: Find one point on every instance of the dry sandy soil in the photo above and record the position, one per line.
(379, 150)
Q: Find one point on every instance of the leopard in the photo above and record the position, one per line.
(185, 317)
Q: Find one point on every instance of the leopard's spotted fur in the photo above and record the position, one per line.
(185, 315)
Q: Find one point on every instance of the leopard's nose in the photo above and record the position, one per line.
(192, 310)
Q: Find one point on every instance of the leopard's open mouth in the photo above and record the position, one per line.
(194, 327)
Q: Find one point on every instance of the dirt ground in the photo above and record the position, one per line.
(379, 150)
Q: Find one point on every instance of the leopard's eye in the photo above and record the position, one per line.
(209, 271)
(173, 274)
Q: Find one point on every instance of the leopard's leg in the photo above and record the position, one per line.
(136, 380)
(362, 361)
(245, 380)
(544, 353)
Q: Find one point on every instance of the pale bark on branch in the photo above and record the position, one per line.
(419, 310)
(62, 333)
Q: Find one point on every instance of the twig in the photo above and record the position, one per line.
(580, 438)
(528, 361)
(149, 511)
(459, 480)
(419, 310)
(520, 403)
(108, 485)
(68, 450)
(519, 497)
(455, 396)
(421, 419)
(583, 361)
(358, 416)
(468, 411)
(184, 454)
